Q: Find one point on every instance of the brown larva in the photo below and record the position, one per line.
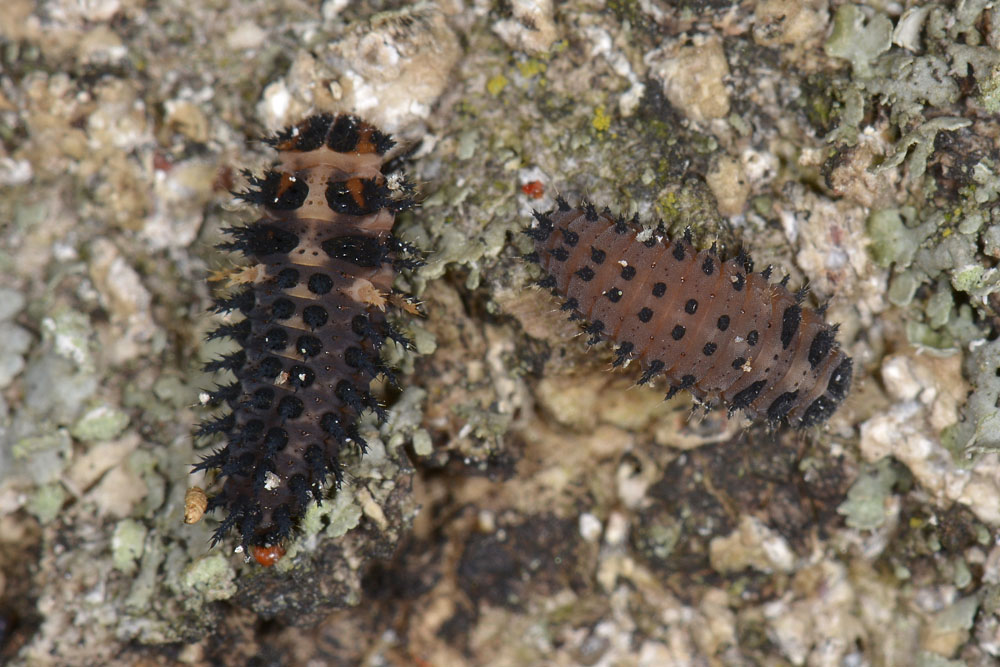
(711, 326)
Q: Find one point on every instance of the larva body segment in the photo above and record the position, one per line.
(323, 263)
(711, 326)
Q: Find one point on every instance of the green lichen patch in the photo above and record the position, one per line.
(46, 502)
(208, 579)
(127, 543)
(892, 242)
(979, 427)
(937, 237)
(70, 333)
(100, 423)
(858, 37)
(865, 507)
(335, 518)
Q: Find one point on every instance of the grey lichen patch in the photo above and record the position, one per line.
(16, 338)
(45, 407)
(423, 340)
(935, 232)
(931, 249)
(865, 507)
(979, 428)
(859, 38)
(70, 334)
(11, 303)
(921, 140)
(989, 90)
(910, 83)
(892, 241)
(42, 457)
(208, 579)
(46, 502)
(335, 518)
(100, 423)
(949, 628)
(405, 422)
(127, 544)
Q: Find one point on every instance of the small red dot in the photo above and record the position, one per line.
(161, 162)
(534, 189)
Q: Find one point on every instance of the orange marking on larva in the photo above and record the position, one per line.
(365, 144)
(354, 187)
(287, 181)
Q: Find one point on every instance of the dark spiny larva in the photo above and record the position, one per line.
(711, 326)
(322, 263)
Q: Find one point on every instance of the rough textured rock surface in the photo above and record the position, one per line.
(565, 516)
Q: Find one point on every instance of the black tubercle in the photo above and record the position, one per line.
(260, 239)
(274, 190)
(363, 251)
(341, 133)
(363, 197)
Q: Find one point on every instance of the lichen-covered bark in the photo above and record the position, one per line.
(565, 516)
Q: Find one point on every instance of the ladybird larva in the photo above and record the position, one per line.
(711, 326)
(322, 262)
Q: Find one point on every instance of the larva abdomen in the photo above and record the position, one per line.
(709, 325)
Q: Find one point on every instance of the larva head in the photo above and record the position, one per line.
(341, 133)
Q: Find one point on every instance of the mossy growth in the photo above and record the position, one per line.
(978, 430)
(928, 81)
